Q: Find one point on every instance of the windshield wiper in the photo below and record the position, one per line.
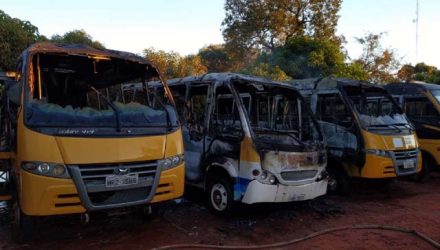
(118, 121)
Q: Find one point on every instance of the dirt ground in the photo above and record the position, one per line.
(402, 203)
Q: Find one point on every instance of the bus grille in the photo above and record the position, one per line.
(405, 155)
(298, 175)
(93, 178)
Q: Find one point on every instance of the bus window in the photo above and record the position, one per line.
(421, 109)
(225, 117)
(331, 108)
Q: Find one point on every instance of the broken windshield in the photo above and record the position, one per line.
(375, 109)
(79, 91)
(278, 115)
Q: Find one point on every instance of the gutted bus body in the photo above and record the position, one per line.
(249, 139)
(80, 142)
(367, 134)
(421, 103)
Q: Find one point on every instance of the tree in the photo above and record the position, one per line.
(378, 62)
(77, 36)
(419, 72)
(15, 36)
(267, 24)
(268, 71)
(172, 65)
(216, 58)
(304, 57)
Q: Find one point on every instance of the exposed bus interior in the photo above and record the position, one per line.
(71, 91)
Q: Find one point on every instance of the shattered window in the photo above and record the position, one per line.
(330, 108)
(375, 108)
(79, 91)
(179, 92)
(195, 109)
(277, 114)
(225, 116)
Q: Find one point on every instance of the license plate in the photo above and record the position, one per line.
(408, 164)
(121, 180)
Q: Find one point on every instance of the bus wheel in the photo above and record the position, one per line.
(219, 194)
(338, 181)
(21, 224)
(424, 173)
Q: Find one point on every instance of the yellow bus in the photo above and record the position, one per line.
(367, 134)
(248, 139)
(75, 141)
(421, 103)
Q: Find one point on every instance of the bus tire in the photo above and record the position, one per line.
(338, 181)
(424, 173)
(220, 195)
(21, 225)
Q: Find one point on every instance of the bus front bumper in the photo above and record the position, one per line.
(258, 192)
(43, 196)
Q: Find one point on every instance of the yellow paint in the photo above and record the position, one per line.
(7, 155)
(171, 184)
(5, 197)
(432, 147)
(40, 195)
(375, 166)
(248, 152)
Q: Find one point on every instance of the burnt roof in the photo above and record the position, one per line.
(421, 85)
(329, 83)
(226, 77)
(82, 49)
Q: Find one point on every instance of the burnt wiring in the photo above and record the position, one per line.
(412, 232)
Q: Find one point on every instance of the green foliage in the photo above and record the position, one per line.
(77, 36)
(15, 36)
(419, 72)
(217, 59)
(268, 24)
(268, 71)
(172, 65)
(378, 62)
(305, 57)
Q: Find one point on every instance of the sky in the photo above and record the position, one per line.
(185, 26)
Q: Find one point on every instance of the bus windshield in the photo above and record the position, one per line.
(279, 116)
(78, 91)
(375, 108)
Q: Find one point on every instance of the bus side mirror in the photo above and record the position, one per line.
(13, 92)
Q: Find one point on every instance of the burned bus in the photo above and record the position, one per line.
(421, 103)
(367, 134)
(249, 140)
(75, 142)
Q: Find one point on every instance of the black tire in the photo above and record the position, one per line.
(22, 226)
(424, 173)
(338, 182)
(220, 196)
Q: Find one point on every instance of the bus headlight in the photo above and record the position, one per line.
(46, 169)
(267, 177)
(170, 162)
(378, 152)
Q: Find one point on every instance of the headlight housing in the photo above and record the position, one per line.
(56, 170)
(378, 152)
(267, 177)
(170, 162)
